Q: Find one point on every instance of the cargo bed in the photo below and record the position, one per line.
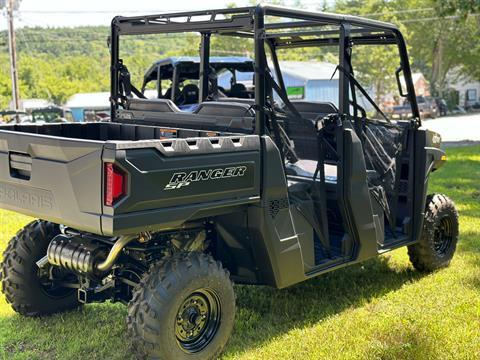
(56, 172)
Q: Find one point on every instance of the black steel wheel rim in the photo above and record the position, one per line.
(197, 320)
(443, 235)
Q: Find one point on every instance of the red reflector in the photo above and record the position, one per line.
(115, 181)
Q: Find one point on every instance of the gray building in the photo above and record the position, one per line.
(306, 80)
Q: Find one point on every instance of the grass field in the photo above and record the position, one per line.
(382, 309)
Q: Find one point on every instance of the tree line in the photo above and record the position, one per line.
(55, 63)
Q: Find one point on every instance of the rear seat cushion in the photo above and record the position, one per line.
(160, 105)
(230, 109)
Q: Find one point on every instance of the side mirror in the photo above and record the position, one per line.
(109, 40)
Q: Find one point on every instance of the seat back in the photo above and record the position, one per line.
(157, 105)
(312, 110)
(239, 90)
(224, 108)
(304, 134)
(210, 116)
(190, 93)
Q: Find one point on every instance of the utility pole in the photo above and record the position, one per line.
(13, 58)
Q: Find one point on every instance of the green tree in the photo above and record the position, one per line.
(441, 43)
(374, 65)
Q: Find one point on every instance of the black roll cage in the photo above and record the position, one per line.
(304, 29)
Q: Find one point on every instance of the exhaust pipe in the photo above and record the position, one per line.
(114, 253)
(83, 257)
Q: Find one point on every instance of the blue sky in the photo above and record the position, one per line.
(59, 13)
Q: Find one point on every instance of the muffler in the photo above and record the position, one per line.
(83, 256)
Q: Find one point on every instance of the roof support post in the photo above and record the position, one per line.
(204, 65)
(260, 68)
(159, 83)
(114, 53)
(175, 83)
(343, 81)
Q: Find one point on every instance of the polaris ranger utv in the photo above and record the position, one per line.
(162, 209)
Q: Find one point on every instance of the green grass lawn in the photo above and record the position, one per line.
(381, 309)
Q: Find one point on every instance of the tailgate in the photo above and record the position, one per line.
(177, 180)
(52, 178)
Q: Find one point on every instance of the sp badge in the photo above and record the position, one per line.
(183, 179)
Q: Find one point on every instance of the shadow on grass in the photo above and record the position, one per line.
(264, 313)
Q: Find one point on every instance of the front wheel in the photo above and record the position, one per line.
(183, 308)
(439, 235)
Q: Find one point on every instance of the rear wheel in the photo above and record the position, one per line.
(29, 290)
(439, 236)
(183, 308)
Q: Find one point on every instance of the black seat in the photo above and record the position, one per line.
(230, 109)
(312, 110)
(302, 133)
(239, 90)
(159, 105)
(168, 93)
(190, 93)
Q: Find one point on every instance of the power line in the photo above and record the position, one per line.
(406, 11)
(13, 58)
(395, 12)
(95, 11)
(453, 17)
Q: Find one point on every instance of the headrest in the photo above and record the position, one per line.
(239, 90)
(190, 93)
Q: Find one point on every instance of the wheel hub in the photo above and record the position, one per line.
(443, 235)
(197, 320)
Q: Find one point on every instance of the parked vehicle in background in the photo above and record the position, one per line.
(471, 99)
(177, 79)
(400, 112)
(96, 115)
(10, 116)
(250, 190)
(441, 106)
(474, 107)
(51, 114)
(426, 106)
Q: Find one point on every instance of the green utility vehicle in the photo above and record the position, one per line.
(163, 210)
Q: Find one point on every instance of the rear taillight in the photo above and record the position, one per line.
(115, 184)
